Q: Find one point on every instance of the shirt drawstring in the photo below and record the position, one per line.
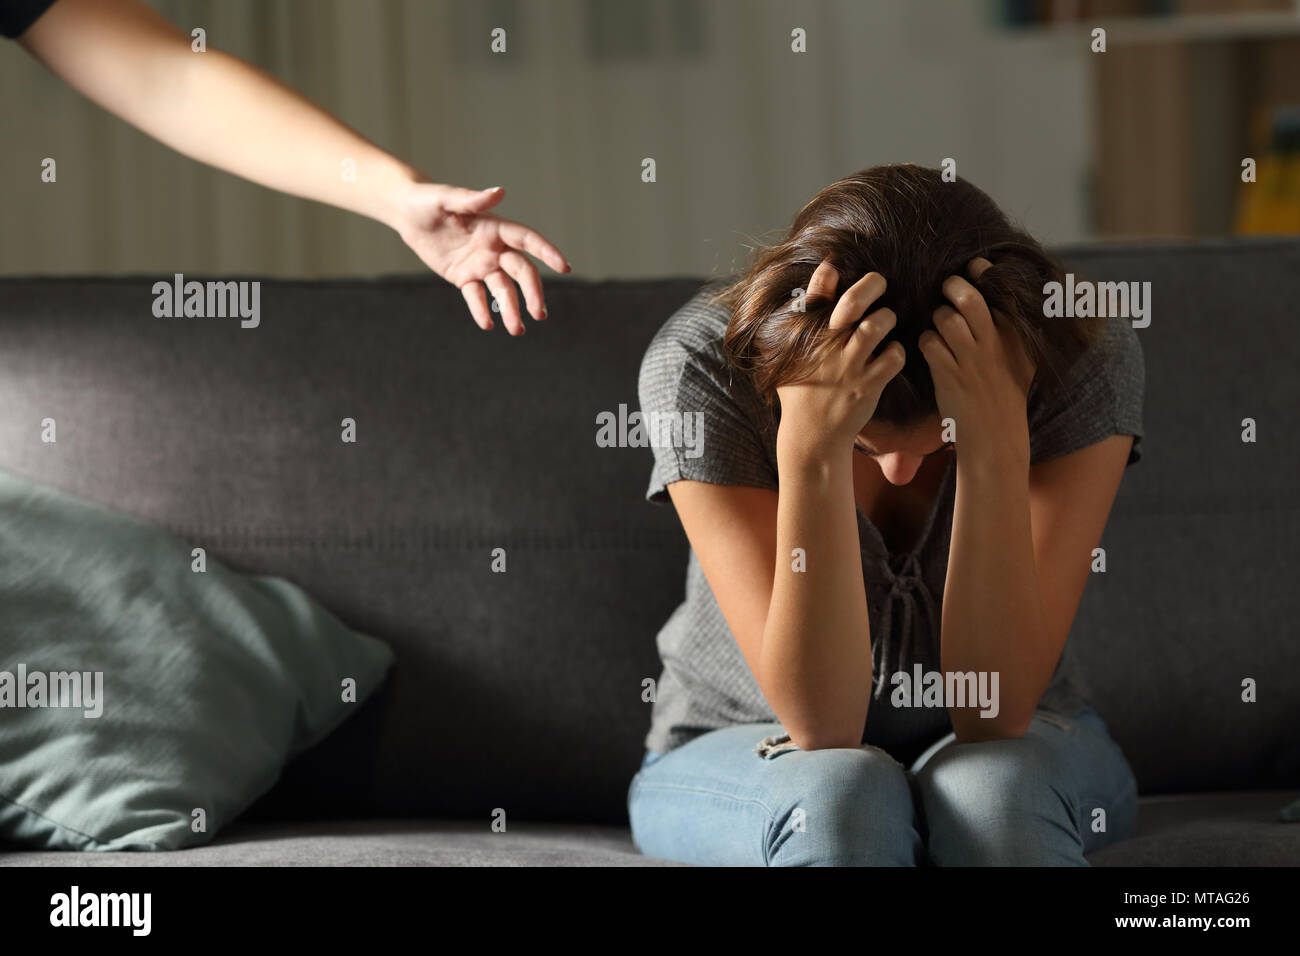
(905, 586)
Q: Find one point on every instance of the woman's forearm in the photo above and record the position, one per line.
(214, 107)
(815, 659)
(257, 128)
(992, 615)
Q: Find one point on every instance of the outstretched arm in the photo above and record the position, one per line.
(217, 109)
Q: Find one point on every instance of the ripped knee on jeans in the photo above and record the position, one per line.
(771, 747)
(774, 746)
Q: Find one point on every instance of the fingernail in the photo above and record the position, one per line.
(541, 315)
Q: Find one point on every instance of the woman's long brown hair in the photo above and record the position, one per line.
(906, 223)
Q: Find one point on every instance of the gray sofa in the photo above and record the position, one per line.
(522, 691)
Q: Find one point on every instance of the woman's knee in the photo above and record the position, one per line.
(840, 807)
(1000, 803)
(718, 806)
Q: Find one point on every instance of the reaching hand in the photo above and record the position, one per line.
(450, 230)
(131, 61)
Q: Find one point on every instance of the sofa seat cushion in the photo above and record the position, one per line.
(1214, 829)
(1209, 829)
(381, 842)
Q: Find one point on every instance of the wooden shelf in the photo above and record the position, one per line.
(1224, 27)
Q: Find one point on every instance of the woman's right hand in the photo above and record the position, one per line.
(825, 412)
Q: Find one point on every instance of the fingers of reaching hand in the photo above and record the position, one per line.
(520, 268)
(520, 237)
(469, 201)
(476, 299)
(503, 291)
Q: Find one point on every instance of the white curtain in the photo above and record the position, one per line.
(742, 129)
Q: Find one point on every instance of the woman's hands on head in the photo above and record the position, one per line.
(981, 372)
(451, 231)
(824, 413)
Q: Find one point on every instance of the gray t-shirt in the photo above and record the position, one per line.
(706, 683)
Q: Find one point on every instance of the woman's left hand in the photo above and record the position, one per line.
(981, 372)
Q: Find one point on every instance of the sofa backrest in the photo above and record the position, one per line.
(1203, 542)
(523, 690)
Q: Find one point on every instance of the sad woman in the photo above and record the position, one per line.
(906, 468)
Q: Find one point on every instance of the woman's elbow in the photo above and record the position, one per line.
(817, 722)
(825, 741)
(826, 733)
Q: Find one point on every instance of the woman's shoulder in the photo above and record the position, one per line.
(687, 359)
(1101, 395)
(1112, 368)
(694, 331)
(1121, 351)
(687, 380)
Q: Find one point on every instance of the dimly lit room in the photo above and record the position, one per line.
(585, 434)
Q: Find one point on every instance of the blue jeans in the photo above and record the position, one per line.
(1045, 799)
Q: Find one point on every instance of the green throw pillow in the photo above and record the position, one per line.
(145, 704)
